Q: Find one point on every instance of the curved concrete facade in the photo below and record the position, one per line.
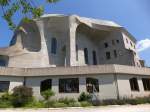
(59, 47)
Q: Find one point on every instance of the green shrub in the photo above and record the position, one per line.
(47, 94)
(5, 104)
(50, 103)
(21, 96)
(58, 104)
(85, 104)
(84, 97)
(74, 104)
(67, 100)
(35, 104)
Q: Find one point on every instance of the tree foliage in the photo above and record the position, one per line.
(29, 8)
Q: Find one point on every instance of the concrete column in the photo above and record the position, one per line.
(71, 48)
(82, 84)
(55, 85)
(44, 52)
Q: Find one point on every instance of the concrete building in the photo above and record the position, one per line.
(72, 54)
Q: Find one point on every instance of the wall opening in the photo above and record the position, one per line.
(45, 85)
(134, 84)
(69, 85)
(92, 85)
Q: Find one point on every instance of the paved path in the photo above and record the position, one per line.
(125, 108)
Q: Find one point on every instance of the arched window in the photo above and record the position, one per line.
(92, 85)
(94, 58)
(45, 85)
(53, 45)
(86, 56)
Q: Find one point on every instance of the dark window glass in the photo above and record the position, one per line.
(45, 85)
(106, 45)
(108, 55)
(146, 84)
(94, 58)
(134, 84)
(4, 86)
(77, 52)
(115, 53)
(86, 56)
(117, 41)
(53, 45)
(92, 85)
(69, 85)
(4, 60)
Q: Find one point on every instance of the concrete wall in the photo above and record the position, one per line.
(106, 86)
(124, 86)
(14, 81)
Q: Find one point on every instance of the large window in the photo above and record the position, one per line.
(53, 45)
(92, 85)
(69, 85)
(146, 84)
(94, 58)
(4, 86)
(45, 85)
(86, 56)
(134, 84)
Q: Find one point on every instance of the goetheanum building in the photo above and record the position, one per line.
(72, 54)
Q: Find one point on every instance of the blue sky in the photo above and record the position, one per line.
(132, 14)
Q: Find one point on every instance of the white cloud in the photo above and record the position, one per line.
(143, 45)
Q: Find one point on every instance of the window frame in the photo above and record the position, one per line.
(4, 89)
(47, 82)
(146, 84)
(86, 56)
(53, 45)
(134, 84)
(72, 82)
(90, 82)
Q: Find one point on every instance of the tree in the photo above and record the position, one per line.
(28, 8)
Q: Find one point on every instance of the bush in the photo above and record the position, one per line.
(21, 96)
(35, 104)
(50, 103)
(47, 94)
(67, 100)
(85, 104)
(84, 97)
(58, 104)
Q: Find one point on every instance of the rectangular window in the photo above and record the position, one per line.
(115, 54)
(4, 86)
(86, 57)
(134, 84)
(94, 58)
(108, 55)
(69, 85)
(53, 45)
(77, 52)
(146, 84)
(106, 45)
(117, 41)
